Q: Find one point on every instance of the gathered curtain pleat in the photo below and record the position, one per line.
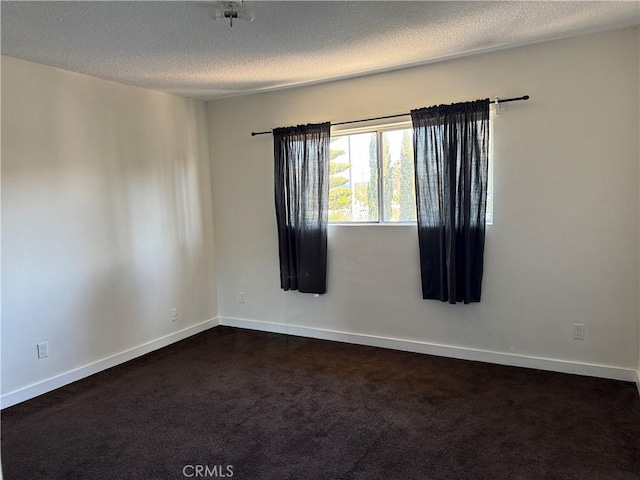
(451, 155)
(301, 176)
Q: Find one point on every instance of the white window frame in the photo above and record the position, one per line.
(379, 129)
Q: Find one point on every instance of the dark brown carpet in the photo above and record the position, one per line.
(278, 407)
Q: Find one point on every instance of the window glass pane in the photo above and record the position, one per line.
(399, 188)
(354, 167)
(353, 187)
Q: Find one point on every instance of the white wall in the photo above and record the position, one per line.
(106, 219)
(565, 244)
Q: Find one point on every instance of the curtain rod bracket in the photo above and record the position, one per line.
(498, 106)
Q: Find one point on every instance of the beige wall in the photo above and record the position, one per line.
(106, 219)
(564, 246)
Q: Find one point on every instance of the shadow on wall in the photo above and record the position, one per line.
(108, 226)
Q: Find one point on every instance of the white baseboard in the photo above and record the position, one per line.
(553, 365)
(550, 364)
(70, 376)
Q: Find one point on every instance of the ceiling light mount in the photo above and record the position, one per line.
(231, 10)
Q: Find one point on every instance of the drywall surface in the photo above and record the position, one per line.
(564, 246)
(106, 219)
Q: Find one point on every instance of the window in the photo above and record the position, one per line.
(357, 191)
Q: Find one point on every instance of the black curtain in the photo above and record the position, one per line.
(451, 149)
(301, 158)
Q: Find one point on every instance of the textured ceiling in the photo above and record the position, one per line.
(176, 47)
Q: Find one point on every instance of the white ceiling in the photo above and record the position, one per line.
(176, 47)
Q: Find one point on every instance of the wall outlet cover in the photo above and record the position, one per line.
(43, 349)
(578, 331)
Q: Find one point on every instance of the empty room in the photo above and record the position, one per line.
(342, 240)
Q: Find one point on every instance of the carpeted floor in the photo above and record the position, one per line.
(262, 406)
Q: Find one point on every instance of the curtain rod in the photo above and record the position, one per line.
(506, 100)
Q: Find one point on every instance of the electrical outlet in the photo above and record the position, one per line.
(43, 349)
(578, 331)
(174, 314)
(241, 297)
